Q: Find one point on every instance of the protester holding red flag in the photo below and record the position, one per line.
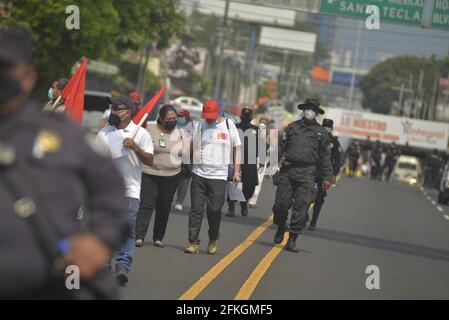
(74, 93)
(53, 94)
(125, 142)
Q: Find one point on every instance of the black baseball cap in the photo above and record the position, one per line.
(329, 123)
(123, 100)
(313, 104)
(16, 45)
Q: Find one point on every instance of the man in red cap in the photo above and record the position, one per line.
(215, 140)
(137, 99)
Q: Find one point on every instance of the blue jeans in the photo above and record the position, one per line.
(124, 257)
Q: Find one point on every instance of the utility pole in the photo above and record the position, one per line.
(217, 90)
(402, 89)
(414, 113)
(357, 49)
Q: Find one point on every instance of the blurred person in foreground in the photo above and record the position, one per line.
(328, 124)
(250, 177)
(304, 149)
(135, 152)
(161, 179)
(52, 167)
(215, 146)
(185, 125)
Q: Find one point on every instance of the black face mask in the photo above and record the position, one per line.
(246, 120)
(170, 125)
(10, 88)
(114, 120)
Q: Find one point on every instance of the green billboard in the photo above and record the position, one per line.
(393, 11)
(440, 14)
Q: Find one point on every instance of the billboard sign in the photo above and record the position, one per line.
(387, 129)
(304, 42)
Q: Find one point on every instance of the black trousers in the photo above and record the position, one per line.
(156, 192)
(296, 187)
(206, 195)
(319, 201)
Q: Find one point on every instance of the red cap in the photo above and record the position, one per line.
(211, 109)
(184, 113)
(136, 98)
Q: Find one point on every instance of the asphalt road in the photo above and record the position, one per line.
(392, 226)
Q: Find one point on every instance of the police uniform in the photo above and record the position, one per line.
(335, 160)
(49, 161)
(390, 160)
(304, 149)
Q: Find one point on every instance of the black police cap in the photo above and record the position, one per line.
(329, 123)
(246, 113)
(123, 100)
(313, 104)
(16, 45)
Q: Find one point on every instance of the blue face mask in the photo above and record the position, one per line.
(50, 94)
(182, 121)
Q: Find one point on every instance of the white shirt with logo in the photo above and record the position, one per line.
(129, 165)
(216, 145)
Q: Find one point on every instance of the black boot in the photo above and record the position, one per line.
(244, 207)
(291, 244)
(279, 236)
(312, 226)
(231, 210)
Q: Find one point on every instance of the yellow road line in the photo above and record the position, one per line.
(253, 280)
(206, 279)
(256, 276)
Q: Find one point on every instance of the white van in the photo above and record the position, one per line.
(409, 170)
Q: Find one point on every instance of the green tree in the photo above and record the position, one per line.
(377, 85)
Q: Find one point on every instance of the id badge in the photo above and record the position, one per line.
(162, 143)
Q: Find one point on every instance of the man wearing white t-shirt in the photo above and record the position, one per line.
(129, 154)
(215, 141)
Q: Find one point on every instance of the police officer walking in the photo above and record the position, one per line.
(328, 124)
(304, 148)
(432, 166)
(248, 168)
(48, 170)
(390, 160)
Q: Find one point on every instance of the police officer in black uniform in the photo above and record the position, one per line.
(432, 165)
(304, 148)
(328, 124)
(390, 160)
(48, 171)
(250, 179)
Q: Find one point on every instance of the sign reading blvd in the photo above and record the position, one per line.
(394, 11)
(440, 14)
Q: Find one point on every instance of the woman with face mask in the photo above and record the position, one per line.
(161, 179)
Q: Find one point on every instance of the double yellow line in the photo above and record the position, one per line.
(255, 277)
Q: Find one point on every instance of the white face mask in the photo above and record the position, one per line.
(309, 114)
(301, 114)
(328, 129)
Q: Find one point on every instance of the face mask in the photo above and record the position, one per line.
(211, 122)
(246, 120)
(9, 89)
(50, 94)
(301, 114)
(114, 120)
(171, 124)
(182, 121)
(309, 114)
(328, 129)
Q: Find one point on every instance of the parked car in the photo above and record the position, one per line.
(193, 105)
(409, 170)
(443, 192)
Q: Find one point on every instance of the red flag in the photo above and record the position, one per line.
(74, 92)
(149, 106)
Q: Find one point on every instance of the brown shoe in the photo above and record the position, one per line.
(139, 243)
(193, 248)
(212, 248)
(159, 244)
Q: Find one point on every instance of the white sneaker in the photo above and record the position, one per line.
(178, 207)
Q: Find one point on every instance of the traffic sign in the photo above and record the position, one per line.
(440, 14)
(403, 12)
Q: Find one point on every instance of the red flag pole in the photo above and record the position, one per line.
(145, 112)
